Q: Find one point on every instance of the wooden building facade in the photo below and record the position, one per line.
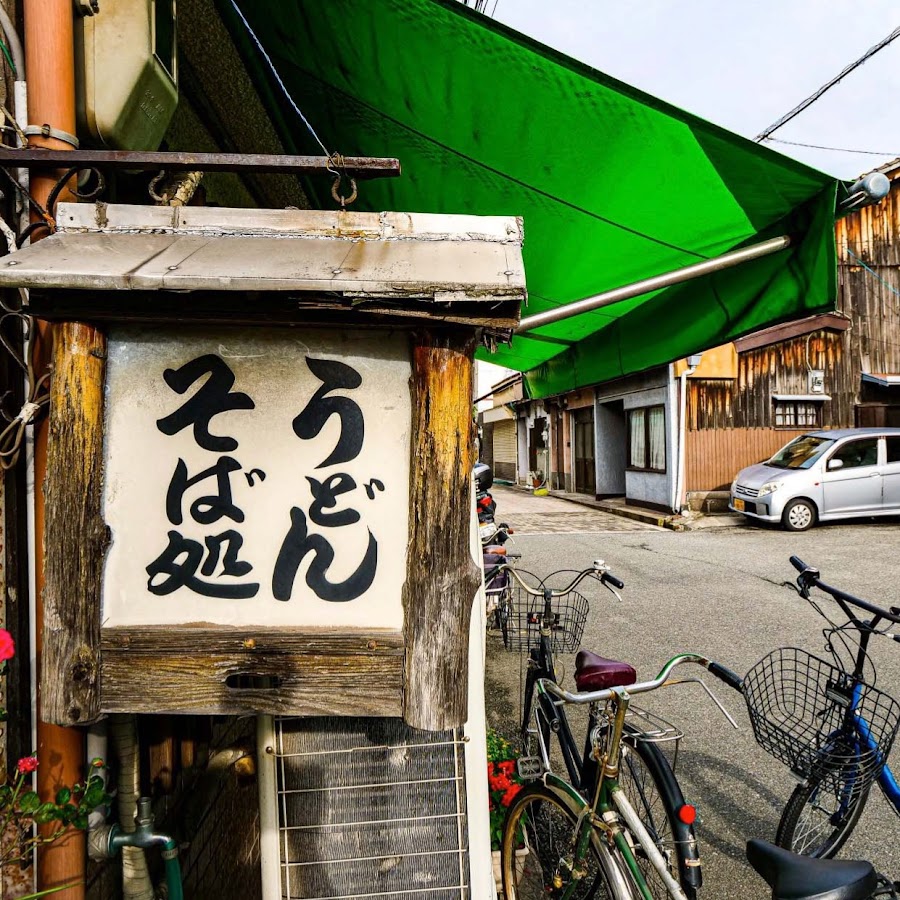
(831, 371)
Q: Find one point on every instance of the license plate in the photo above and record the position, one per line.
(739, 505)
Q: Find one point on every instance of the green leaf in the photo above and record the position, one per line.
(95, 794)
(63, 795)
(29, 802)
(46, 812)
(80, 821)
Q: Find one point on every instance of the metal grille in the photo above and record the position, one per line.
(746, 491)
(370, 808)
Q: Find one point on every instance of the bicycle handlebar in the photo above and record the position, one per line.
(640, 687)
(809, 577)
(598, 569)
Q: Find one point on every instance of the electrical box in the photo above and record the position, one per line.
(816, 381)
(126, 74)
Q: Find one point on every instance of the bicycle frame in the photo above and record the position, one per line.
(610, 802)
(856, 723)
(609, 805)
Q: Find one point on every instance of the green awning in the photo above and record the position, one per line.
(614, 185)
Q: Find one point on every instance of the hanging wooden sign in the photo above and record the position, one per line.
(258, 484)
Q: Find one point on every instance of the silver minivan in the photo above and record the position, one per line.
(821, 476)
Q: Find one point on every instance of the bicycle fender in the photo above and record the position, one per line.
(554, 781)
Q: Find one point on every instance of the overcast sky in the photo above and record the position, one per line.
(742, 65)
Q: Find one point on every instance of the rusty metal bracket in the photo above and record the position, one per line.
(352, 166)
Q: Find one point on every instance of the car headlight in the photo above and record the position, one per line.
(734, 486)
(769, 487)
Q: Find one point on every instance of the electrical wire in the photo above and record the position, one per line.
(886, 153)
(281, 84)
(873, 273)
(763, 135)
(9, 58)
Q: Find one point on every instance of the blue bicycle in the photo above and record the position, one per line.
(827, 721)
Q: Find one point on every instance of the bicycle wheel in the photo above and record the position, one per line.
(819, 817)
(647, 780)
(544, 821)
(505, 612)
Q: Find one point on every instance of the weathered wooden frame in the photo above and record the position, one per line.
(417, 673)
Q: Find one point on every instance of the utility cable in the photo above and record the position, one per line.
(281, 84)
(873, 273)
(764, 135)
(887, 153)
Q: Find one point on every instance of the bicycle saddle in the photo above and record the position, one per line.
(595, 673)
(794, 877)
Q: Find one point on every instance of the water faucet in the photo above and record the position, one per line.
(108, 840)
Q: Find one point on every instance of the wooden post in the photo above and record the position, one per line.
(441, 576)
(75, 535)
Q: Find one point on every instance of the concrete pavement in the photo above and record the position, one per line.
(720, 593)
(528, 514)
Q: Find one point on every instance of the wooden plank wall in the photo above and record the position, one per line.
(731, 422)
(715, 456)
(746, 402)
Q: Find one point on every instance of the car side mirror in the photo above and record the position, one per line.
(835, 464)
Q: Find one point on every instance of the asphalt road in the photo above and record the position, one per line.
(720, 593)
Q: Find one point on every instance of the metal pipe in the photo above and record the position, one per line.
(269, 853)
(682, 436)
(688, 273)
(59, 154)
(50, 62)
(13, 42)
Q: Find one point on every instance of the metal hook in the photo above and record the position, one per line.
(338, 198)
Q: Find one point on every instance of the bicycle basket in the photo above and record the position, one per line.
(569, 616)
(813, 717)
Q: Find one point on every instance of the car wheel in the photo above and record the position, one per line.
(799, 515)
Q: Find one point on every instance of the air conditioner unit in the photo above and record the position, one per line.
(126, 73)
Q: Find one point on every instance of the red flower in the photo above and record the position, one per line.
(7, 645)
(507, 767)
(27, 764)
(499, 782)
(510, 794)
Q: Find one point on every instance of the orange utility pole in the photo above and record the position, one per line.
(50, 70)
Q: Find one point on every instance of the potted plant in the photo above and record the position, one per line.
(503, 785)
(21, 809)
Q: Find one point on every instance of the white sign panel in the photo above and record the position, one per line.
(256, 478)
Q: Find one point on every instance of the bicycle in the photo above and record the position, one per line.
(827, 722)
(498, 586)
(571, 827)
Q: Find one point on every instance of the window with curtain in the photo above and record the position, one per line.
(647, 439)
(797, 414)
(637, 455)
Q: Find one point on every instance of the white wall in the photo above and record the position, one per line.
(645, 389)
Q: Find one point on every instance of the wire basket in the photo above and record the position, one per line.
(818, 720)
(569, 616)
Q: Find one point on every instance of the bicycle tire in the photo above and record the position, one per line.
(812, 823)
(653, 790)
(545, 819)
(505, 612)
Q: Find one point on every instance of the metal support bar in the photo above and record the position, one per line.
(688, 273)
(351, 166)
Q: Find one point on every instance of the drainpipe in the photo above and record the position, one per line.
(692, 363)
(50, 63)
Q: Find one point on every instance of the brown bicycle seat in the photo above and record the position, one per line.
(596, 673)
